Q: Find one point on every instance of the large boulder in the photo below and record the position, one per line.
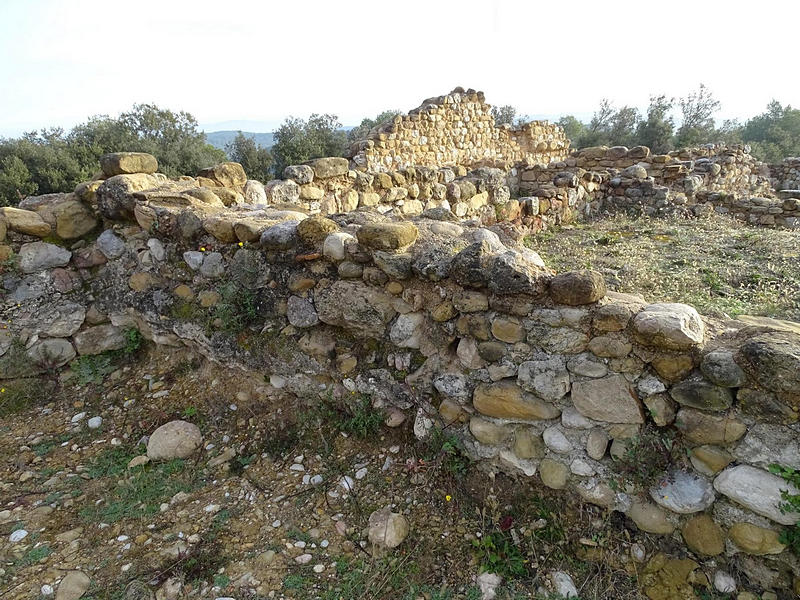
(330, 166)
(39, 256)
(282, 236)
(700, 427)
(301, 174)
(115, 196)
(126, 163)
(280, 191)
(670, 326)
(683, 492)
(355, 306)
(176, 439)
(227, 174)
(702, 394)
(506, 400)
(773, 359)
(254, 192)
(577, 287)
(610, 399)
(387, 236)
(758, 490)
(73, 219)
(99, 339)
(25, 221)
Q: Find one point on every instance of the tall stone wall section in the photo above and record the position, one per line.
(443, 324)
(457, 129)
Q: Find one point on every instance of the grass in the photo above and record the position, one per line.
(141, 492)
(716, 264)
(21, 394)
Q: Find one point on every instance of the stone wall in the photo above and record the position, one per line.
(727, 180)
(457, 129)
(440, 324)
(786, 174)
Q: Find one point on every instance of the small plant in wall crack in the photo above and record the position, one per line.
(645, 458)
(791, 504)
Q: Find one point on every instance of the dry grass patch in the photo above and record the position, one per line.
(720, 266)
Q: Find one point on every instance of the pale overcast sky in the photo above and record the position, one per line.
(64, 60)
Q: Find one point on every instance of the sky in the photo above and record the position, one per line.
(62, 61)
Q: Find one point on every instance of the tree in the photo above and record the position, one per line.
(697, 117)
(503, 115)
(573, 129)
(362, 131)
(56, 161)
(256, 160)
(657, 129)
(610, 126)
(775, 133)
(297, 140)
(15, 180)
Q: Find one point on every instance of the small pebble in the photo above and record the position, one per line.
(18, 535)
(319, 568)
(303, 559)
(95, 422)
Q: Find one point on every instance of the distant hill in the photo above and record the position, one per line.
(220, 138)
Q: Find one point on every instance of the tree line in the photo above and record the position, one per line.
(55, 160)
(670, 123)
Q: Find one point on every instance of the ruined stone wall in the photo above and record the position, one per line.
(457, 129)
(717, 178)
(440, 324)
(786, 174)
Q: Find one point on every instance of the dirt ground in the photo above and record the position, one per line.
(245, 519)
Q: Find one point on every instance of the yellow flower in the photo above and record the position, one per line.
(241, 244)
(202, 249)
(2, 390)
(448, 497)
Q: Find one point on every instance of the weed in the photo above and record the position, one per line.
(295, 582)
(496, 552)
(236, 309)
(133, 341)
(185, 311)
(34, 555)
(790, 536)
(362, 420)
(202, 561)
(92, 368)
(280, 441)
(221, 581)
(445, 450)
(646, 458)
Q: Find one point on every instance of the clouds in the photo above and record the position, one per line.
(63, 61)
